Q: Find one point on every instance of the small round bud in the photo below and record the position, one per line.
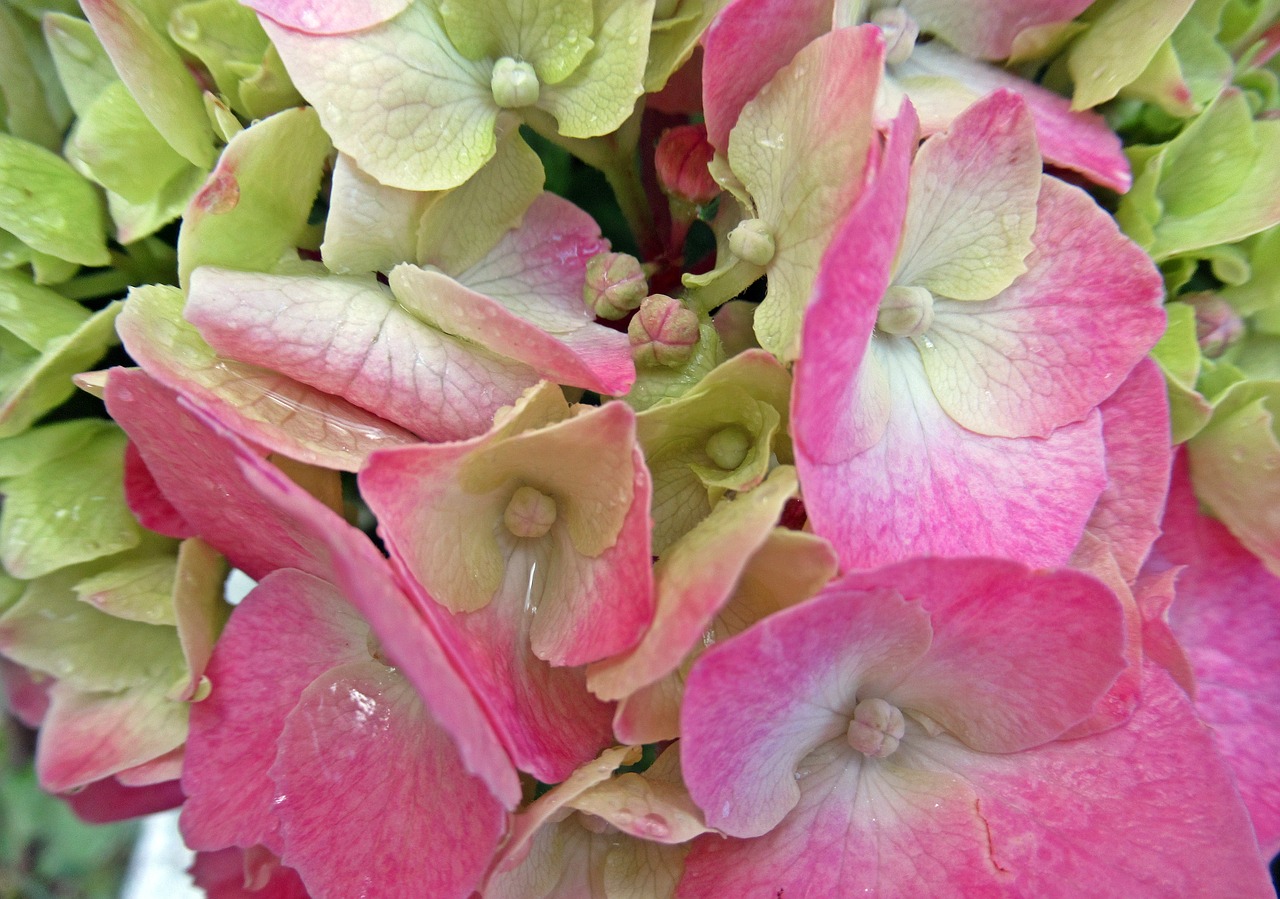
(663, 332)
(681, 159)
(752, 241)
(1218, 325)
(728, 447)
(529, 513)
(514, 83)
(615, 285)
(900, 32)
(877, 728)
(905, 312)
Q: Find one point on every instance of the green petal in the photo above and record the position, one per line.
(1124, 37)
(552, 35)
(48, 205)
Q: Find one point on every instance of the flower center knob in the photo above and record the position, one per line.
(514, 83)
(728, 447)
(752, 241)
(905, 312)
(530, 513)
(877, 728)
(900, 32)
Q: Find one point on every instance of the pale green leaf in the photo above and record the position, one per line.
(48, 205)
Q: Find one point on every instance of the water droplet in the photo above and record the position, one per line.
(309, 18)
(186, 28)
(653, 826)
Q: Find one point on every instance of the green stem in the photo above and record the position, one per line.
(99, 284)
(737, 278)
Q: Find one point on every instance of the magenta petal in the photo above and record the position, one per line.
(1018, 656)
(147, 501)
(109, 800)
(1080, 141)
(840, 401)
(361, 749)
(222, 875)
(756, 705)
(287, 632)
(1224, 614)
(328, 16)
(1147, 809)
(1135, 430)
(932, 487)
(745, 47)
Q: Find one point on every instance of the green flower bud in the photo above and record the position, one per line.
(752, 241)
(905, 312)
(663, 332)
(615, 285)
(514, 83)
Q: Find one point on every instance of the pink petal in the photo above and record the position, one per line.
(1057, 341)
(986, 28)
(1142, 810)
(223, 874)
(745, 47)
(26, 692)
(348, 336)
(1080, 141)
(932, 487)
(1135, 430)
(757, 705)
(328, 16)
(1224, 615)
(1018, 656)
(108, 800)
(360, 751)
(286, 633)
(147, 501)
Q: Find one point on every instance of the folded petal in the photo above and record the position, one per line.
(328, 17)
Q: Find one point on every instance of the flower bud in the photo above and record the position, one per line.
(530, 513)
(615, 285)
(1218, 326)
(728, 447)
(905, 312)
(752, 241)
(682, 157)
(663, 332)
(900, 32)
(514, 83)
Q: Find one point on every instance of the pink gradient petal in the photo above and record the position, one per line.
(745, 47)
(1018, 656)
(89, 736)
(931, 487)
(147, 501)
(348, 336)
(1080, 141)
(26, 692)
(840, 398)
(1224, 615)
(288, 616)
(757, 705)
(1154, 593)
(1147, 809)
(1135, 430)
(1061, 338)
(986, 28)
(360, 749)
(223, 875)
(328, 16)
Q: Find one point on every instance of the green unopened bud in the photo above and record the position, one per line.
(905, 312)
(514, 83)
(900, 33)
(752, 241)
(728, 447)
(529, 513)
(663, 332)
(615, 285)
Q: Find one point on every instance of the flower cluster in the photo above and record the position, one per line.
(866, 486)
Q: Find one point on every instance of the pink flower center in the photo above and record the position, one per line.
(877, 728)
(529, 513)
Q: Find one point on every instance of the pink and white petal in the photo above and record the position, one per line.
(544, 715)
(745, 47)
(694, 580)
(348, 336)
(930, 487)
(1061, 338)
(262, 405)
(971, 209)
(841, 396)
(287, 632)
(756, 705)
(586, 355)
(859, 828)
(1135, 429)
(360, 750)
(1080, 141)
(88, 736)
(161, 769)
(1224, 617)
(1148, 809)
(398, 98)
(327, 16)
(196, 465)
(26, 692)
(986, 28)
(1018, 656)
(146, 500)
